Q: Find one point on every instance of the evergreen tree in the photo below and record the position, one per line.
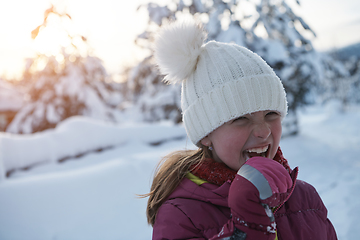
(70, 84)
(150, 99)
(340, 79)
(289, 53)
(272, 30)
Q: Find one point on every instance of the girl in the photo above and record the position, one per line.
(237, 185)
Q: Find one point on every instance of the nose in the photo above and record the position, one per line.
(261, 130)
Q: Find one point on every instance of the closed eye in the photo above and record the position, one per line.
(242, 118)
(272, 115)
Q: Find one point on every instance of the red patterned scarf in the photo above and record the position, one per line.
(218, 173)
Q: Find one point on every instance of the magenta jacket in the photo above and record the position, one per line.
(199, 212)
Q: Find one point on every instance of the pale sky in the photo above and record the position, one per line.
(111, 27)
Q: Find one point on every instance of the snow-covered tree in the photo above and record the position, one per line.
(268, 27)
(340, 79)
(353, 66)
(11, 100)
(148, 98)
(71, 83)
(288, 52)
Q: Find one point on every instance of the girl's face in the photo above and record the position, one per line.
(255, 134)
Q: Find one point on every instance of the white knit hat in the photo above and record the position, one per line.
(220, 81)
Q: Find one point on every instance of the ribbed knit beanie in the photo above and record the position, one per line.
(220, 81)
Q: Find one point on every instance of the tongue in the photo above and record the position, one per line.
(254, 154)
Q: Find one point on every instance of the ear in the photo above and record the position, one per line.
(206, 141)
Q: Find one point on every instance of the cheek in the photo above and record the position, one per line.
(230, 144)
(276, 132)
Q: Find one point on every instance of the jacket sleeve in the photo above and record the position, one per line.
(172, 223)
(331, 234)
(304, 216)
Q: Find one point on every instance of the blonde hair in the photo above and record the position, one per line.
(168, 174)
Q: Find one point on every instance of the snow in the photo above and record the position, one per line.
(233, 34)
(78, 88)
(157, 13)
(11, 99)
(93, 195)
(276, 51)
(78, 135)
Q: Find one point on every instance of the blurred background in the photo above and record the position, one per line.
(55, 54)
(78, 82)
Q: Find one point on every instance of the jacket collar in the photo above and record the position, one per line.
(218, 173)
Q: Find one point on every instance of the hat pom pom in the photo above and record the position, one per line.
(177, 49)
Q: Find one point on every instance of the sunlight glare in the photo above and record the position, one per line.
(50, 40)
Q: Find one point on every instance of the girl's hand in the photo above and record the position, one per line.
(270, 178)
(259, 185)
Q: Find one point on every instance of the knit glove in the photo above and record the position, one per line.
(259, 185)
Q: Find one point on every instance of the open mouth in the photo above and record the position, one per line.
(256, 152)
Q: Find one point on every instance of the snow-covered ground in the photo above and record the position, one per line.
(93, 195)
